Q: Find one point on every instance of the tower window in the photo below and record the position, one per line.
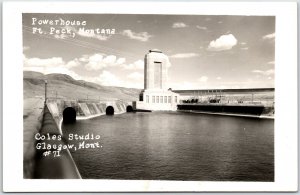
(141, 97)
(158, 75)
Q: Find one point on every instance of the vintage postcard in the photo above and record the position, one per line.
(155, 98)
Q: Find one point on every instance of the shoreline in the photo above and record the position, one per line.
(229, 114)
(187, 111)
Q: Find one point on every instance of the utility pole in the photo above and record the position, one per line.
(45, 91)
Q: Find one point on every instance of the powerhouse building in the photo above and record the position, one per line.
(156, 95)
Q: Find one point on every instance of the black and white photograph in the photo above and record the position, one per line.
(149, 97)
(152, 97)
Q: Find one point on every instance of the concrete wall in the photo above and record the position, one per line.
(95, 109)
(84, 109)
(51, 167)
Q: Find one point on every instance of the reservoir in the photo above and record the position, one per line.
(176, 146)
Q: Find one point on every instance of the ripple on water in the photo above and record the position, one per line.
(177, 146)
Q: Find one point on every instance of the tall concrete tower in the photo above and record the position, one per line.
(155, 75)
(156, 95)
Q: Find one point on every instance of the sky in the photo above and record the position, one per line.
(205, 52)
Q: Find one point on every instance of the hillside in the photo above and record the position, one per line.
(64, 86)
(60, 86)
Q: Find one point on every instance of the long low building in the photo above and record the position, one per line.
(191, 92)
(250, 95)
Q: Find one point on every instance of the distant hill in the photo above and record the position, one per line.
(64, 86)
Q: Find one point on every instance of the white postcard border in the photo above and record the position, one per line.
(286, 137)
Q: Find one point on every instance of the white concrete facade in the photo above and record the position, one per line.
(155, 70)
(156, 95)
(158, 100)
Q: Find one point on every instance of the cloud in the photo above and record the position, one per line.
(58, 65)
(269, 36)
(201, 27)
(73, 63)
(48, 66)
(136, 76)
(179, 25)
(99, 61)
(105, 78)
(108, 79)
(110, 59)
(121, 61)
(142, 36)
(271, 62)
(47, 62)
(95, 62)
(224, 42)
(244, 48)
(184, 55)
(218, 78)
(203, 79)
(139, 64)
(266, 72)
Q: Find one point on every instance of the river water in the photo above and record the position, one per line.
(176, 146)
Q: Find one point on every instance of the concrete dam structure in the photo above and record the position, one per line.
(72, 110)
(68, 111)
(63, 167)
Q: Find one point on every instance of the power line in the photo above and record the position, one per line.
(84, 44)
